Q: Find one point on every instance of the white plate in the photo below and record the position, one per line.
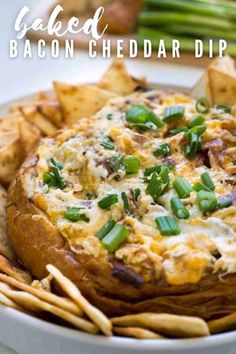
(29, 335)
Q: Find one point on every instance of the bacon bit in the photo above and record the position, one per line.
(127, 275)
(215, 145)
(140, 138)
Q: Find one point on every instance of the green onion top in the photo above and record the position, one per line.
(173, 113)
(197, 130)
(141, 116)
(53, 163)
(201, 187)
(131, 164)
(115, 237)
(157, 168)
(125, 202)
(178, 208)
(109, 200)
(108, 144)
(167, 225)
(202, 105)
(105, 229)
(206, 201)
(178, 130)
(224, 108)
(137, 193)
(198, 120)
(194, 145)
(182, 187)
(206, 179)
(54, 177)
(156, 186)
(74, 214)
(109, 116)
(49, 179)
(162, 150)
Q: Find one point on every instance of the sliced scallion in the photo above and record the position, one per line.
(201, 187)
(206, 201)
(141, 115)
(173, 113)
(178, 208)
(223, 108)
(182, 187)
(178, 130)
(60, 182)
(74, 214)
(108, 144)
(202, 105)
(109, 200)
(198, 120)
(206, 179)
(167, 225)
(137, 193)
(193, 146)
(131, 164)
(49, 179)
(162, 150)
(125, 202)
(156, 187)
(105, 229)
(117, 235)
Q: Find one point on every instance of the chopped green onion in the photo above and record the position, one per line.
(198, 130)
(141, 115)
(109, 116)
(156, 186)
(60, 182)
(224, 203)
(167, 225)
(108, 144)
(199, 120)
(131, 164)
(157, 168)
(206, 179)
(193, 146)
(73, 214)
(224, 108)
(109, 200)
(117, 235)
(105, 229)
(137, 193)
(125, 202)
(177, 130)
(173, 113)
(49, 179)
(201, 187)
(234, 162)
(202, 105)
(164, 173)
(182, 187)
(163, 149)
(53, 163)
(178, 208)
(206, 201)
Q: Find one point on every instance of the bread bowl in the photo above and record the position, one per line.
(191, 273)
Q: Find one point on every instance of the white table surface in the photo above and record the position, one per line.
(19, 77)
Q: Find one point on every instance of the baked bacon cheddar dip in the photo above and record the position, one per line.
(133, 200)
